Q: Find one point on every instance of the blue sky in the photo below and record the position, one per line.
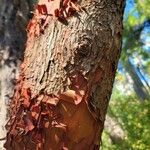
(145, 37)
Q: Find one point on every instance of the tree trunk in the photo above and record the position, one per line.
(140, 89)
(14, 15)
(66, 79)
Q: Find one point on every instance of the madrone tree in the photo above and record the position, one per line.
(61, 97)
(14, 15)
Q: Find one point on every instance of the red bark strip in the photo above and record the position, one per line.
(42, 9)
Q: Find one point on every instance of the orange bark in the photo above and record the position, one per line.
(60, 101)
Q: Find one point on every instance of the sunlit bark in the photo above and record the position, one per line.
(66, 79)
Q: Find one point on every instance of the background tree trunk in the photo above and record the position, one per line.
(14, 15)
(140, 89)
(66, 79)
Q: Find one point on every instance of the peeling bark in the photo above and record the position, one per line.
(66, 79)
(14, 15)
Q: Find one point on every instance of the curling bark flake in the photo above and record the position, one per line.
(66, 79)
(14, 16)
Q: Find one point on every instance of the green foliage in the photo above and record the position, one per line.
(143, 7)
(132, 34)
(132, 114)
(134, 118)
(106, 143)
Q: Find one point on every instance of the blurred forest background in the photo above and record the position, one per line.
(128, 120)
(127, 124)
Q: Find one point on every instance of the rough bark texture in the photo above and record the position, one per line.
(14, 15)
(61, 97)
